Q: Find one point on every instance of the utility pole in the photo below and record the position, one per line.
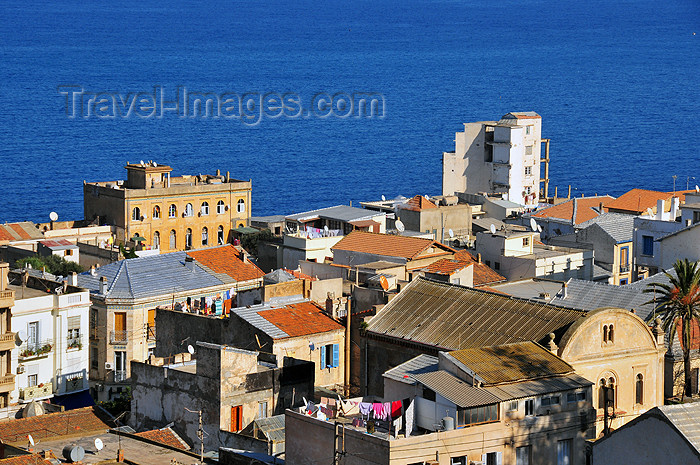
(674, 184)
(200, 435)
(338, 451)
(348, 336)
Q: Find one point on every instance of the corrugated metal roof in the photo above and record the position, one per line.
(272, 427)
(455, 317)
(417, 365)
(538, 387)
(455, 390)
(589, 295)
(512, 362)
(686, 418)
(339, 212)
(250, 314)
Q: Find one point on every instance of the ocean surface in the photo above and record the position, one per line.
(616, 83)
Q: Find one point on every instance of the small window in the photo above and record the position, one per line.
(136, 214)
(32, 380)
(648, 245)
(173, 240)
(240, 206)
(512, 406)
(530, 407)
(526, 241)
(523, 455)
(205, 236)
(696, 217)
(488, 263)
(188, 238)
(220, 235)
(611, 334)
(548, 401)
(204, 209)
(156, 240)
(496, 266)
(156, 212)
(94, 357)
(172, 211)
(428, 394)
(528, 190)
(189, 211)
(528, 150)
(220, 208)
(605, 333)
(528, 170)
(573, 397)
(639, 389)
(528, 130)
(262, 409)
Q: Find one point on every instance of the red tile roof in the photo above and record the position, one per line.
(227, 260)
(164, 436)
(388, 244)
(300, 319)
(299, 274)
(418, 203)
(637, 201)
(51, 425)
(446, 266)
(482, 274)
(29, 459)
(584, 209)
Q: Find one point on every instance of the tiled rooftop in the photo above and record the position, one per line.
(446, 266)
(19, 231)
(29, 459)
(289, 319)
(483, 274)
(388, 244)
(69, 423)
(228, 260)
(165, 436)
(585, 209)
(418, 203)
(637, 201)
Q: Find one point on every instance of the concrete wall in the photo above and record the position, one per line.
(380, 356)
(323, 270)
(289, 288)
(628, 445)
(656, 229)
(685, 244)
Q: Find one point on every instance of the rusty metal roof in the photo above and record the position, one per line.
(421, 364)
(512, 362)
(538, 387)
(455, 390)
(453, 317)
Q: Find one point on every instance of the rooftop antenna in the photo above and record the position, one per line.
(533, 224)
(493, 228)
(674, 184)
(400, 226)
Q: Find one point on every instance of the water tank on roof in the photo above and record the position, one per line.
(448, 423)
(73, 453)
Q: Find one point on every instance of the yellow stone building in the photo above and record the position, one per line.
(171, 213)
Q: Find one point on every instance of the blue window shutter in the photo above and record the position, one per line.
(336, 355)
(323, 357)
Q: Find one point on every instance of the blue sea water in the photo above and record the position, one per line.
(616, 83)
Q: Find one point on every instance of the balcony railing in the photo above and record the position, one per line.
(35, 349)
(94, 334)
(7, 341)
(72, 381)
(119, 376)
(36, 392)
(7, 383)
(118, 337)
(7, 299)
(151, 332)
(74, 343)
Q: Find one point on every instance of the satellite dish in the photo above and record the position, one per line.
(30, 439)
(325, 228)
(399, 226)
(99, 445)
(383, 198)
(143, 163)
(533, 224)
(155, 164)
(384, 283)
(493, 229)
(22, 335)
(451, 232)
(650, 212)
(539, 228)
(53, 216)
(190, 349)
(697, 188)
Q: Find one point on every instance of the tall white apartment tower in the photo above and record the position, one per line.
(497, 157)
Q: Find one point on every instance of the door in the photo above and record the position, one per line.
(120, 326)
(236, 418)
(119, 366)
(151, 330)
(33, 335)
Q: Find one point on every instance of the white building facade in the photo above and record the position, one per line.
(497, 157)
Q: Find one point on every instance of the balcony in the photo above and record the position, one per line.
(7, 299)
(119, 376)
(72, 382)
(7, 383)
(7, 341)
(94, 335)
(39, 349)
(150, 333)
(624, 268)
(36, 392)
(74, 343)
(118, 337)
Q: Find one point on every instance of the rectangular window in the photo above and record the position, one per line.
(576, 396)
(528, 170)
(624, 256)
(530, 407)
(488, 263)
(428, 394)
(512, 406)
(648, 245)
(461, 460)
(33, 335)
(236, 418)
(330, 356)
(492, 458)
(549, 401)
(564, 456)
(696, 217)
(483, 414)
(496, 266)
(73, 332)
(526, 241)
(262, 409)
(94, 355)
(528, 129)
(32, 380)
(522, 455)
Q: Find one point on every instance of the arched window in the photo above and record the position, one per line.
(188, 238)
(240, 206)
(639, 389)
(136, 214)
(605, 333)
(220, 209)
(173, 240)
(601, 393)
(189, 211)
(205, 236)
(156, 212)
(611, 334)
(220, 235)
(611, 392)
(156, 240)
(172, 211)
(204, 210)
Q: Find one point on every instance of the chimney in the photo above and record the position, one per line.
(600, 208)
(65, 285)
(218, 172)
(658, 333)
(675, 202)
(478, 258)
(93, 272)
(565, 291)
(103, 285)
(73, 279)
(660, 209)
(189, 263)
(228, 176)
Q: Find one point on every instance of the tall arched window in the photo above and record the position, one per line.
(240, 206)
(156, 212)
(204, 210)
(188, 238)
(189, 211)
(220, 235)
(601, 394)
(605, 333)
(172, 211)
(220, 209)
(173, 240)
(156, 240)
(611, 392)
(639, 389)
(136, 214)
(205, 236)
(611, 334)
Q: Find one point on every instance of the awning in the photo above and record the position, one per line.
(74, 400)
(245, 230)
(363, 223)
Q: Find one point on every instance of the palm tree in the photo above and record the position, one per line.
(680, 301)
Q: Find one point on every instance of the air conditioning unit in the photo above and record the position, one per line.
(20, 369)
(108, 366)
